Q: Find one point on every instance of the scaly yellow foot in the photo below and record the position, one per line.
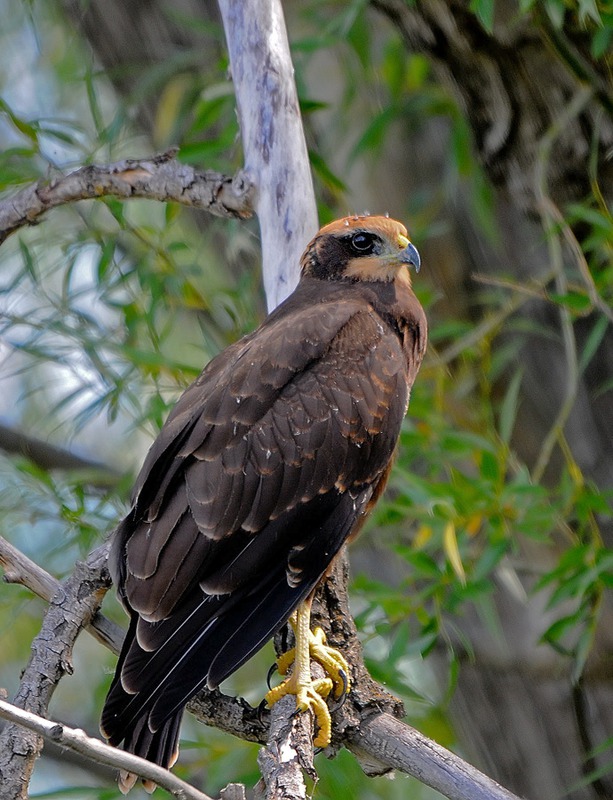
(311, 694)
(332, 660)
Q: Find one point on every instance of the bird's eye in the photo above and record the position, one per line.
(363, 243)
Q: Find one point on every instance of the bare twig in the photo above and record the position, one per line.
(546, 210)
(18, 568)
(401, 747)
(100, 752)
(160, 178)
(49, 457)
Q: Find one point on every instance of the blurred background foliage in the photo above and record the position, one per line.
(109, 309)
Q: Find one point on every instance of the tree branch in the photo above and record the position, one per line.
(288, 753)
(72, 606)
(100, 752)
(18, 568)
(367, 724)
(276, 157)
(398, 746)
(160, 177)
(49, 457)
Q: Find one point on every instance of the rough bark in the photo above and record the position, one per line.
(74, 605)
(160, 178)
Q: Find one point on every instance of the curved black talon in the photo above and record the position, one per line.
(341, 700)
(274, 667)
(260, 709)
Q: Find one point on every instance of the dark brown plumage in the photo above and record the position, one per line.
(266, 465)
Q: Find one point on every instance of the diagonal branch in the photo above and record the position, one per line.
(159, 177)
(100, 752)
(49, 457)
(398, 746)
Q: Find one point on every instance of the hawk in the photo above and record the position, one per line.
(267, 465)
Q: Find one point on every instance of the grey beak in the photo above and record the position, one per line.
(410, 256)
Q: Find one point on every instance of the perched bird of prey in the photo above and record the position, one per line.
(266, 466)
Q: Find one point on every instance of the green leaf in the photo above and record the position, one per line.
(593, 342)
(308, 106)
(28, 261)
(589, 10)
(602, 41)
(489, 467)
(325, 174)
(489, 560)
(484, 10)
(374, 135)
(508, 410)
(578, 302)
(555, 11)
(582, 651)
(422, 562)
(559, 628)
(592, 216)
(28, 129)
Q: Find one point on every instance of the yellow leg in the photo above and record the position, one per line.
(311, 694)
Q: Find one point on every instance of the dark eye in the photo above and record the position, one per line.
(363, 243)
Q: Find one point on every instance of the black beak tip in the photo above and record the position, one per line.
(410, 256)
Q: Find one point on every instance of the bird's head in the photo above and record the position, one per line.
(360, 248)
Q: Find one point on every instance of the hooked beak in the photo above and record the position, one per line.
(409, 254)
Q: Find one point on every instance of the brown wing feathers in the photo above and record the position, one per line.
(264, 467)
